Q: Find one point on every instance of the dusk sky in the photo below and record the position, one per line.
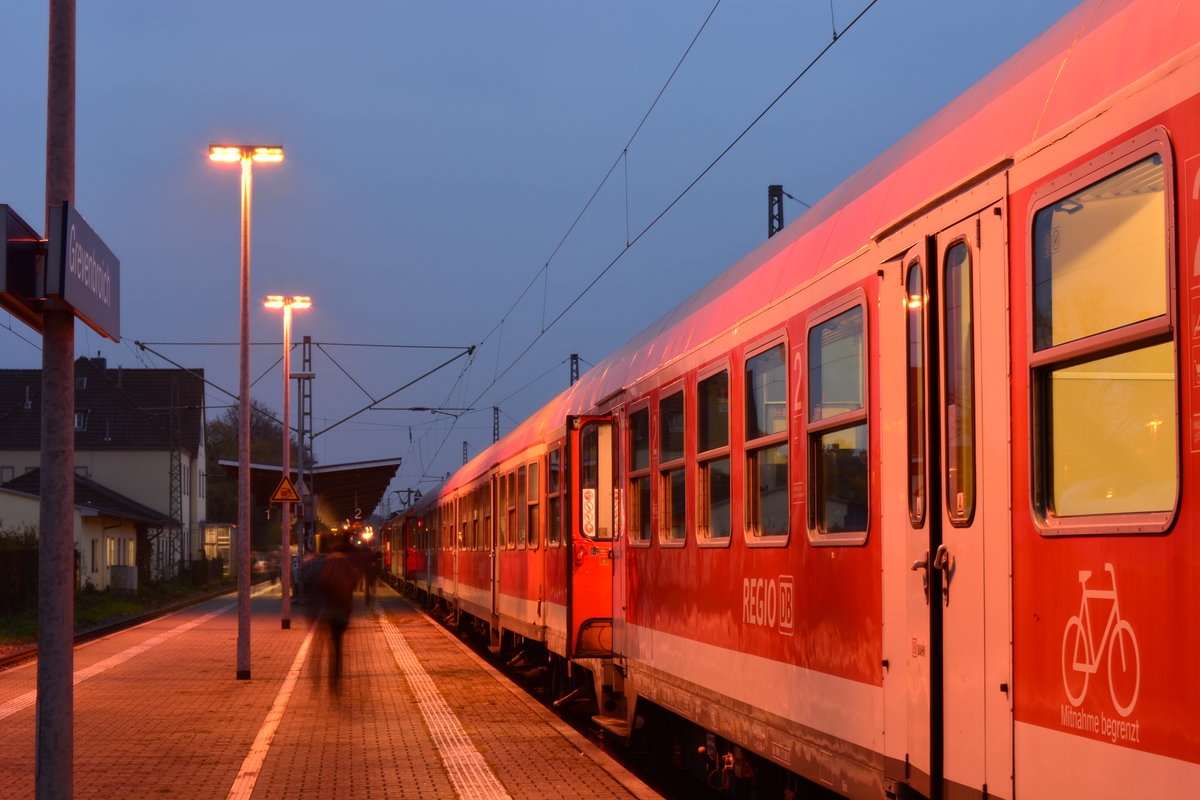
(437, 152)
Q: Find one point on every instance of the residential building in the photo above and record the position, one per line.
(139, 434)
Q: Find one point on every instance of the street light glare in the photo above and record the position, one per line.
(218, 152)
(268, 154)
(239, 152)
(279, 301)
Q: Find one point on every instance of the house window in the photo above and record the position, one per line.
(767, 462)
(81, 420)
(1106, 439)
(7, 474)
(82, 471)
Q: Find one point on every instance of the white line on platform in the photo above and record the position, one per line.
(29, 698)
(470, 774)
(243, 785)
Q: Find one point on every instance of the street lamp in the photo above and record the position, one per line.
(246, 155)
(285, 573)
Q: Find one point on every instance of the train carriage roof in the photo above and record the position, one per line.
(1092, 53)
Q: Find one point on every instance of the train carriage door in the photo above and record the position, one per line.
(590, 456)
(969, 560)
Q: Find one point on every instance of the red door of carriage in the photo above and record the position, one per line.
(590, 460)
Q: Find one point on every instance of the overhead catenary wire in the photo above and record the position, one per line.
(631, 241)
(669, 206)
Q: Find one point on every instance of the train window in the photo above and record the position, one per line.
(597, 496)
(486, 501)
(533, 510)
(712, 435)
(960, 385)
(672, 492)
(522, 508)
(837, 428)
(915, 323)
(639, 476)
(671, 427)
(554, 498)
(511, 514)
(501, 512)
(1104, 359)
(475, 519)
(767, 461)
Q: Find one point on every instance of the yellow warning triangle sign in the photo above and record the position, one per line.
(285, 492)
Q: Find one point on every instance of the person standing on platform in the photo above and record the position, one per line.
(339, 575)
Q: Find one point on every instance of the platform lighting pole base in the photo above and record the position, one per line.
(243, 674)
(285, 624)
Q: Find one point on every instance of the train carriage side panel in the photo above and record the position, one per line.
(1106, 394)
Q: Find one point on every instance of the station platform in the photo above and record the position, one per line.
(159, 713)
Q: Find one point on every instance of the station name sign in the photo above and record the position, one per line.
(83, 271)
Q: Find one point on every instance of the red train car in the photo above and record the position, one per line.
(899, 504)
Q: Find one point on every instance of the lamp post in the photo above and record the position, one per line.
(285, 572)
(246, 155)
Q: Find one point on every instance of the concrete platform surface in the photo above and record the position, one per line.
(159, 713)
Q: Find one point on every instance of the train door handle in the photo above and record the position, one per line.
(580, 553)
(943, 561)
(923, 565)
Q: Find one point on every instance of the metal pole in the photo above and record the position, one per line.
(55, 760)
(285, 571)
(243, 637)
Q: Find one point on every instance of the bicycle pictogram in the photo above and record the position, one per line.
(1082, 651)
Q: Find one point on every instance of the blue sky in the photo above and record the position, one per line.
(437, 153)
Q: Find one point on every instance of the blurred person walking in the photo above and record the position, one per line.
(339, 575)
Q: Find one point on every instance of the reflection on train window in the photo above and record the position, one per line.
(1105, 376)
(837, 429)
(639, 476)
(672, 489)
(670, 426)
(674, 499)
(960, 385)
(712, 434)
(534, 525)
(554, 498)
(767, 507)
(915, 323)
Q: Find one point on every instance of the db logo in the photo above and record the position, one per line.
(770, 602)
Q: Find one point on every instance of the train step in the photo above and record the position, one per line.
(614, 725)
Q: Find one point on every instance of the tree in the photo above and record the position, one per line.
(266, 445)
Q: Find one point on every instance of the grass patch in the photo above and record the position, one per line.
(94, 608)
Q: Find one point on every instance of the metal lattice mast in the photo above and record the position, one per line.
(774, 209)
